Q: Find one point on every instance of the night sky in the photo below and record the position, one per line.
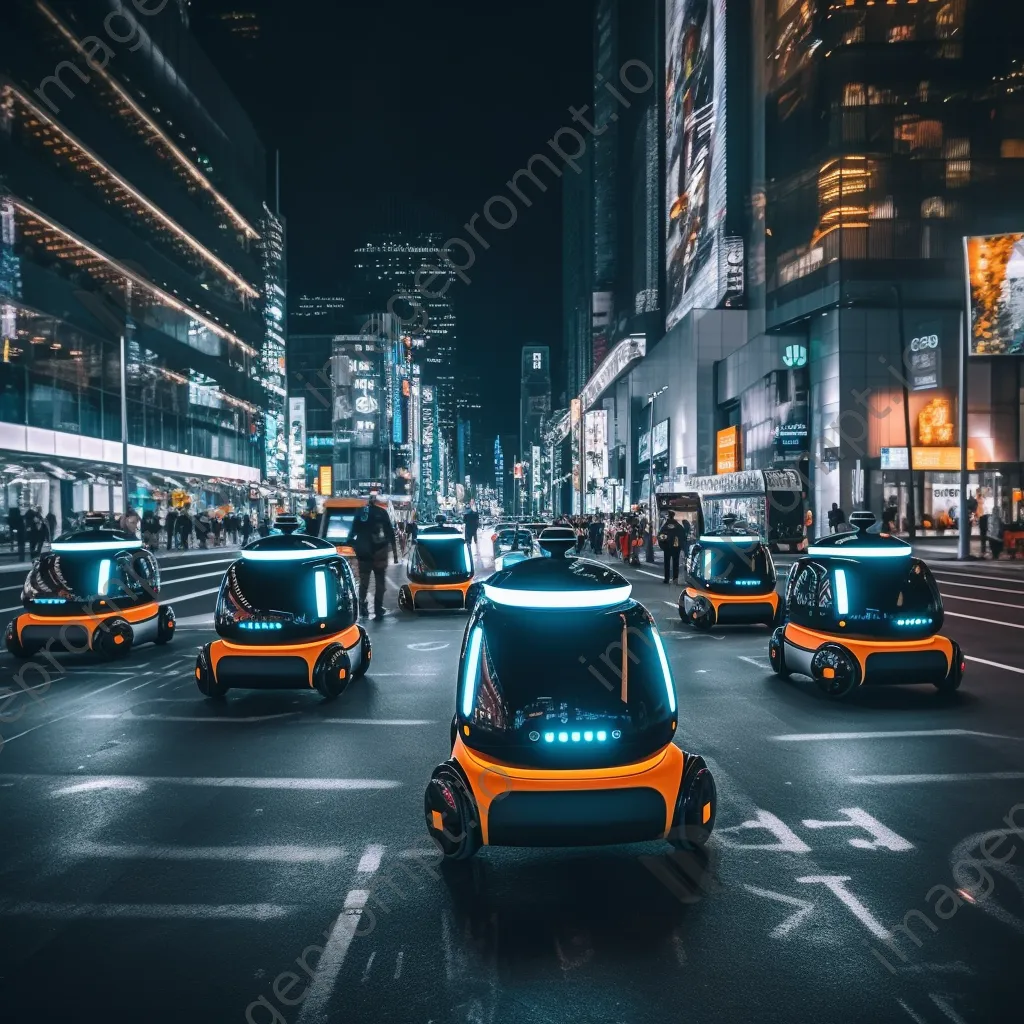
(404, 113)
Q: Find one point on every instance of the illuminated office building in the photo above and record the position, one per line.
(891, 130)
(131, 206)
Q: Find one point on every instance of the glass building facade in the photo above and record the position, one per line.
(126, 211)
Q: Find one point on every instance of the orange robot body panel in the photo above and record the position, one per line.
(308, 652)
(490, 780)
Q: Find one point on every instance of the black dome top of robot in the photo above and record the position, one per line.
(568, 583)
(439, 531)
(91, 539)
(288, 523)
(557, 541)
(860, 542)
(286, 546)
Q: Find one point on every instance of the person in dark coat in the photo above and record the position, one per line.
(671, 540)
(172, 517)
(372, 535)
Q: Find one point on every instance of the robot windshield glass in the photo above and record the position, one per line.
(285, 602)
(549, 690)
(732, 565)
(76, 578)
(892, 601)
(442, 557)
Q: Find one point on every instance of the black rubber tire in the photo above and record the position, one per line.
(845, 666)
(209, 686)
(365, 654)
(955, 676)
(405, 602)
(449, 795)
(165, 624)
(14, 645)
(702, 616)
(113, 639)
(696, 789)
(332, 672)
(777, 652)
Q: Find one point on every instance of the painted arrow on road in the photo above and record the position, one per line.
(791, 922)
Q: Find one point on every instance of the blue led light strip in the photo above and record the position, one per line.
(670, 686)
(472, 670)
(566, 600)
(855, 552)
(288, 555)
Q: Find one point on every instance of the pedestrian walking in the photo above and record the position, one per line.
(670, 540)
(372, 536)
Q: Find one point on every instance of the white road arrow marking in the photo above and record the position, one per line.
(432, 645)
(788, 840)
(791, 922)
(854, 905)
(882, 838)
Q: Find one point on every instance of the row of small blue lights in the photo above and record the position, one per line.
(587, 737)
(914, 622)
(260, 625)
(49, 600)
(746, 583)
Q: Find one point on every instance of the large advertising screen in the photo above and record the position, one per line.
(695, 156)
(995, 284)
(297, 442)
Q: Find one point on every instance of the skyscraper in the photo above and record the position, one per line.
(534, 397)
(134, 205)
(397, 272)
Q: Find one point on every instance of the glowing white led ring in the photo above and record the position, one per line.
(565, 600)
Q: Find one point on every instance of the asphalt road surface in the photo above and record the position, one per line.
(165, 859)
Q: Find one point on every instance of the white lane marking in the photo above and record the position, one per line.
(127, 785)
(756, 662)
(317, 996)
(835, 883)
(914, 780)
(147, 911)
(70, 714)
(398, 965)
(185, 579)
(804, 908)
(981, 586)
(84, 783)
(370, 860)
(369, 964)
(29, 689)
(815, 737)
(431, 645)
(195, 620)
(402, 675)
(654, 574)
(980, 600)
(946, 1008)
(995, 664)
(976, 576)
(284, 854)
(172, 567)
(132, 716)
(978, 618)
(672, 604)
(910, 1013)
(883, 838)
(368, 721)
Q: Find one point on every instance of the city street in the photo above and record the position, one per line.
(170, 859)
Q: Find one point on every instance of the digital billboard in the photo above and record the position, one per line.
(995, 291)
(697, 273)
(297, 442)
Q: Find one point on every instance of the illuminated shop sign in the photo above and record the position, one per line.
(660, 445)
(794, 356)
(728, 450)
(627, 352)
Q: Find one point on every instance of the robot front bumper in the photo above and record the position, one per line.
(668, 795)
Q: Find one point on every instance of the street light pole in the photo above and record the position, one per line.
(124, 435)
